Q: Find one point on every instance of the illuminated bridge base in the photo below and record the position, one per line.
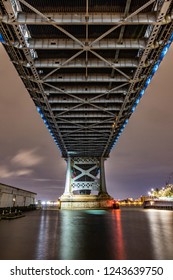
(85, 184)
(86, 202)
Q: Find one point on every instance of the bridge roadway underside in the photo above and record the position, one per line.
(86, 65)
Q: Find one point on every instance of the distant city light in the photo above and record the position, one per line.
(49, 203)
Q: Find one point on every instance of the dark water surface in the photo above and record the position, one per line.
(128, 233)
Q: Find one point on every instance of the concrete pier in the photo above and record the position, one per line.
(86, 202)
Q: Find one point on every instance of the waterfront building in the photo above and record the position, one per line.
(12, 196)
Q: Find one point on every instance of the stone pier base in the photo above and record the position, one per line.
(87, 202)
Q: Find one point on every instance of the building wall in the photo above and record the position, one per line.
(11, 196)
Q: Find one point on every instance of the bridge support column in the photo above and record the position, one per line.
(68, 178)
(85, 185)
(102, 177)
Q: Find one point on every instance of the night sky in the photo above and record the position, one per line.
(141, 160)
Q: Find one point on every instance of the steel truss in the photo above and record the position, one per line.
(84, 175)
(86, 70)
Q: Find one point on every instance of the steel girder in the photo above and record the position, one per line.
(80, 19)
(94, 63)
(64, 44)
(85, 71)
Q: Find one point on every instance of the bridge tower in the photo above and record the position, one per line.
(85, 185)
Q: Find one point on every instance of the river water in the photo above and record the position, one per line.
(123, 234)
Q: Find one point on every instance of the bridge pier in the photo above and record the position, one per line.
(85, 185)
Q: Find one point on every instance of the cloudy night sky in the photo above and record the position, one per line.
(141, 160)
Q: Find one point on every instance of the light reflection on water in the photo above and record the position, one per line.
(127, 233)
(47, 236)
(162, 242)
(118, 235)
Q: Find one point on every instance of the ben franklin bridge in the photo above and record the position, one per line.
(86, 65)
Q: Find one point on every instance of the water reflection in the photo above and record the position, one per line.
(127, 233)
(161, 233)
(47, 236)
(86, 235)
(118, 235)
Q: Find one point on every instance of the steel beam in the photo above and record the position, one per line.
(82, 90)
(50, 22)
(60, 101)
(121, 23)
(80, 63)
(60, 108)
(79, 19)
(93, 121)
(85, 116)
(81, 78)
(67, 128)
(64, 44)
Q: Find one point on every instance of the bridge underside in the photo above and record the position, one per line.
(86, 65)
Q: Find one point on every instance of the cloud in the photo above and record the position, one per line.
(27, 158)
(20, 164)
(23, 172)
(6, 173)
(47, 180)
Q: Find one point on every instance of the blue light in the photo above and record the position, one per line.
(165, 49)
(1, 39)
(133, 108)
(141, 93)
(156, 66)
(40, 112)
(38, 109)
(137, 101)
(148, 81)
